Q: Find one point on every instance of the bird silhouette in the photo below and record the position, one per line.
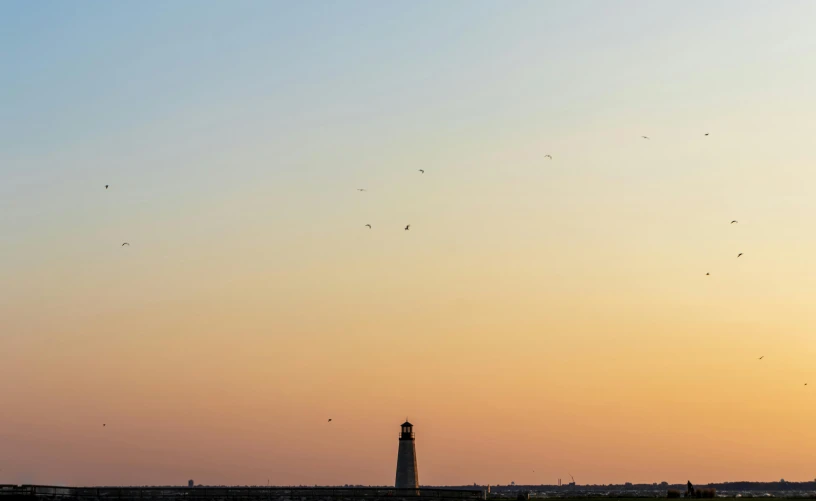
(422, 171)
(760, 358)
(103, 425)
(738, 255)
(707, 274)
(106, 186)
(407, 227)
(329, 420)
(361, 189)
(124, 244)
(645, 137)
(706, 133)
(369, 226)
(734, 221)
(548, 156)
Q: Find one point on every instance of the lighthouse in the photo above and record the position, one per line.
(407, 471)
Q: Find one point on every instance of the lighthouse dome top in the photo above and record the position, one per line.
(406, 423)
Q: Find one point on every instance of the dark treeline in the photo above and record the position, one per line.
(765, 486)
(779, 486)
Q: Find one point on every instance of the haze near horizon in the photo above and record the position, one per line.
(541, 314)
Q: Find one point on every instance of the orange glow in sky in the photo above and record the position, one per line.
(541, 317)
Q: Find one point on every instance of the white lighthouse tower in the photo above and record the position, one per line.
(407, 471)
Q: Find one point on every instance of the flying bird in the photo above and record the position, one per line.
(106, 186)
(706, 133)
(103, 425)
(407, 227)
(645, 137)
(707, 274)
(361, 189)
(760, 358)
(548, 156)
(738, 255)
(329, 420)
(369, 226)
(124, 244)
(734, 221)
(422, 171)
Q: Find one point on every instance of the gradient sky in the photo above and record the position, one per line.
(539, 315)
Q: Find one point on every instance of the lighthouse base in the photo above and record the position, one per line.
(407, 472)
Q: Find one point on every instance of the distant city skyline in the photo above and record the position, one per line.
(568, 298)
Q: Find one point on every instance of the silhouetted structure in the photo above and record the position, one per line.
(407, 471)
(12, 492)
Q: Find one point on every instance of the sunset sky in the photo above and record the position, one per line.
(548, 315)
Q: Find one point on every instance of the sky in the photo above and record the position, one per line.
(541, 317)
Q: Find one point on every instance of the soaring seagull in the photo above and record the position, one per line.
(760, 358)
(369, 226)
(329, 420)
(361, 189)
(707, 274)
(734, 221)
(645, 137)
(124, 244)
(706, 133)
(103, 425)
(407, 227)
(106, 186)
(548, 156)
(422, 171)
(738, 255)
